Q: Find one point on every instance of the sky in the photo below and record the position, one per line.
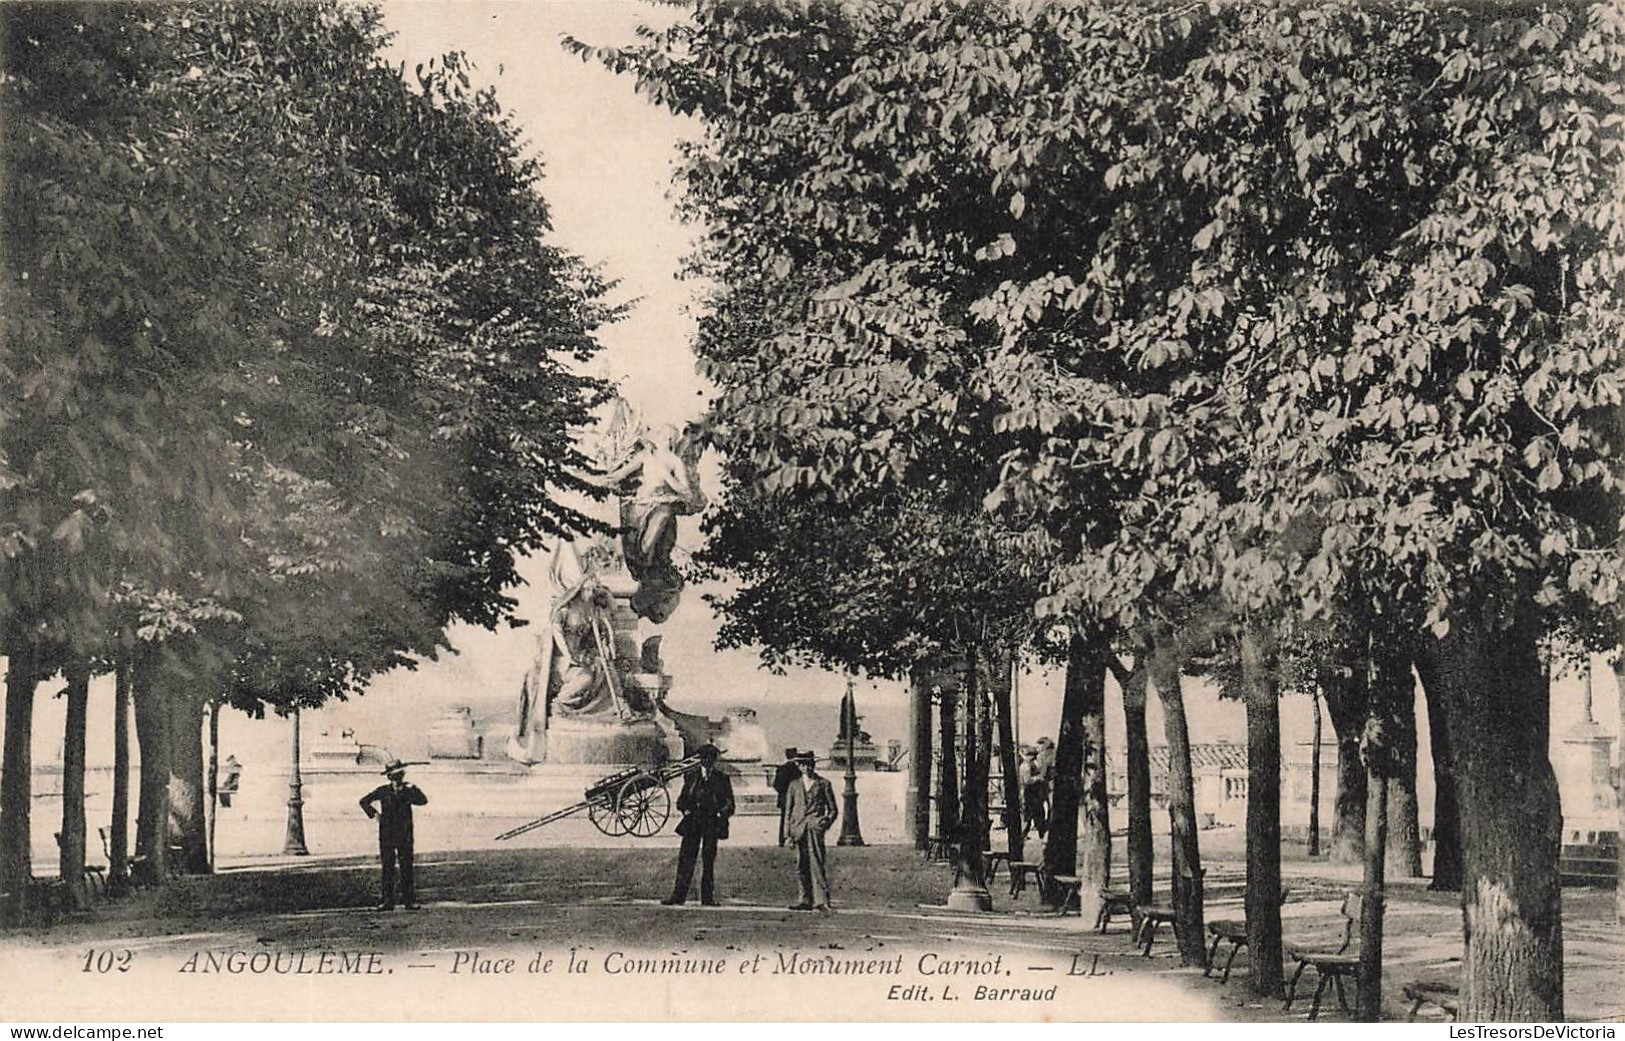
(608, 156)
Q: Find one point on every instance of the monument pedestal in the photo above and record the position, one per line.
(608, 742)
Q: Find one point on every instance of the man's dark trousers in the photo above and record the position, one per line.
(391, 854)
(703, 847)
(706, 802)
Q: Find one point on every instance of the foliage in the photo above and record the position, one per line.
(289, 337)
(880, 587)
(1306, 305)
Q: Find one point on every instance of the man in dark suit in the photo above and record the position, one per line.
(809, 811)
(392, 804)
(787, 771)
(706, 803)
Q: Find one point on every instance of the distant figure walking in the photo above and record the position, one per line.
(706, 803)
(809, 811)
(1034, 793)
(1046, 760)
(231, 778)
(786, 772)
(392, 805)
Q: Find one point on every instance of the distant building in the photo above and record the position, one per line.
(1219, 779)
(1218, 775)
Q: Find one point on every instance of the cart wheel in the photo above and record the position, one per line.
(604, 818)
(643, 806)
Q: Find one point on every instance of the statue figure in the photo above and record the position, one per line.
(589, 672)
(577, 674)
(665, 465)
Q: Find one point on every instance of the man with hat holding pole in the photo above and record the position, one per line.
(809, 811)
(394, 802)
(706, 802)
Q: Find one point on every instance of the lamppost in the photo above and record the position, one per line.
(293, 843)
(851, 834)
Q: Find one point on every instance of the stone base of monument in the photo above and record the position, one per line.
(606, 742)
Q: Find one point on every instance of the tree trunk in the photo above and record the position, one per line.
(1314, 779)
(984, 753)
(1447, 864)
(1002, 704)
(919, 757)
(1138, 752)
(948, 760)
(1095, 842)
(212, 793)
(1404, 836)
(16, 785)
(1511, 818)
(189, 824)
(970, 868)
(1263, 898)
(152, 731)
(118, 838)
(1378, 805)
(1389, 743)
(1346, 706)
(1186, 853)
(1619, 792)
(71, 841)
(1084, 685)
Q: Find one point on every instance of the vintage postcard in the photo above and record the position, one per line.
(873, 511)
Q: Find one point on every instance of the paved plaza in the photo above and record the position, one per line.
(229, 946)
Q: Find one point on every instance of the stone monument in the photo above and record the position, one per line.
(596, 692)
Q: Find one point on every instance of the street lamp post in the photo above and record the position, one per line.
(293, 843)
(851, 834)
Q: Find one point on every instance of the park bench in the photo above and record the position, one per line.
(993, 858)
(1330, 966)
(1114, 902)
(1442, 996)
(1020, 872)
(135, 875)
(1151, 917)
(1069, 889)
(95, 876)
(938, 847)
(1234, 932)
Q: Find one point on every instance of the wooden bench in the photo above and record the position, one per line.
(95, 877)
(1330, 966)
(1151, 917)
(1020, 872)
(1069, 889)
(1114, 902)
(1234, 932)
(939, 848)
(993, 858)
(1443, 996)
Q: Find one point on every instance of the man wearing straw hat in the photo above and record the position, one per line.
(394, 802)
(809, 811)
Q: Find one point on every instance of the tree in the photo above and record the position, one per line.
(1261, 694)
(1314, 777)
(1312, 310)
(300, 352)
(1164, 661)
(1137, 753)
(1446, 815)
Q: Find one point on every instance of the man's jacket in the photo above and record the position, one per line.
(394, 811)
(705, 803)
(809, 806)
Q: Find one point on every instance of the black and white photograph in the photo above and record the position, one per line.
(812, 511)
